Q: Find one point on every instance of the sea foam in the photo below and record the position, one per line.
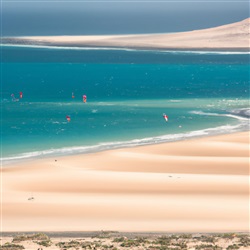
(226, 129)
(128, 49)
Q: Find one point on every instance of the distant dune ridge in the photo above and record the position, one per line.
(230, 36)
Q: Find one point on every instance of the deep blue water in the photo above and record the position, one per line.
(127, 93)
(29, 18)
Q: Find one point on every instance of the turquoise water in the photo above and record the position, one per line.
(127, 93)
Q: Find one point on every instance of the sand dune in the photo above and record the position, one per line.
(230, 36)
(194, 185)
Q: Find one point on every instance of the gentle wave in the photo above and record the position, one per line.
(245, 112)
(128, 49)
(242, 126)
(239, 114)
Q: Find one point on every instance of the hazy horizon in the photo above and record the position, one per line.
(40, 17)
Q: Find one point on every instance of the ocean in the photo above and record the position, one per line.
(128, 91)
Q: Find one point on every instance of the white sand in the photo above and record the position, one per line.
(197, 185)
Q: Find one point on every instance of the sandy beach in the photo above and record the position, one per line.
(233, 36)
(198, 185)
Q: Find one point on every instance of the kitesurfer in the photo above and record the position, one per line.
(84, 98)
(165, 117)
(68, 118)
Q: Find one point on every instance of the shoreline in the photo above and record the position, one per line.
(198, 185)
(244, 50)
(29, 156)
(240, 114)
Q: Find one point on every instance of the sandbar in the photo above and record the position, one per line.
(234, 36)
